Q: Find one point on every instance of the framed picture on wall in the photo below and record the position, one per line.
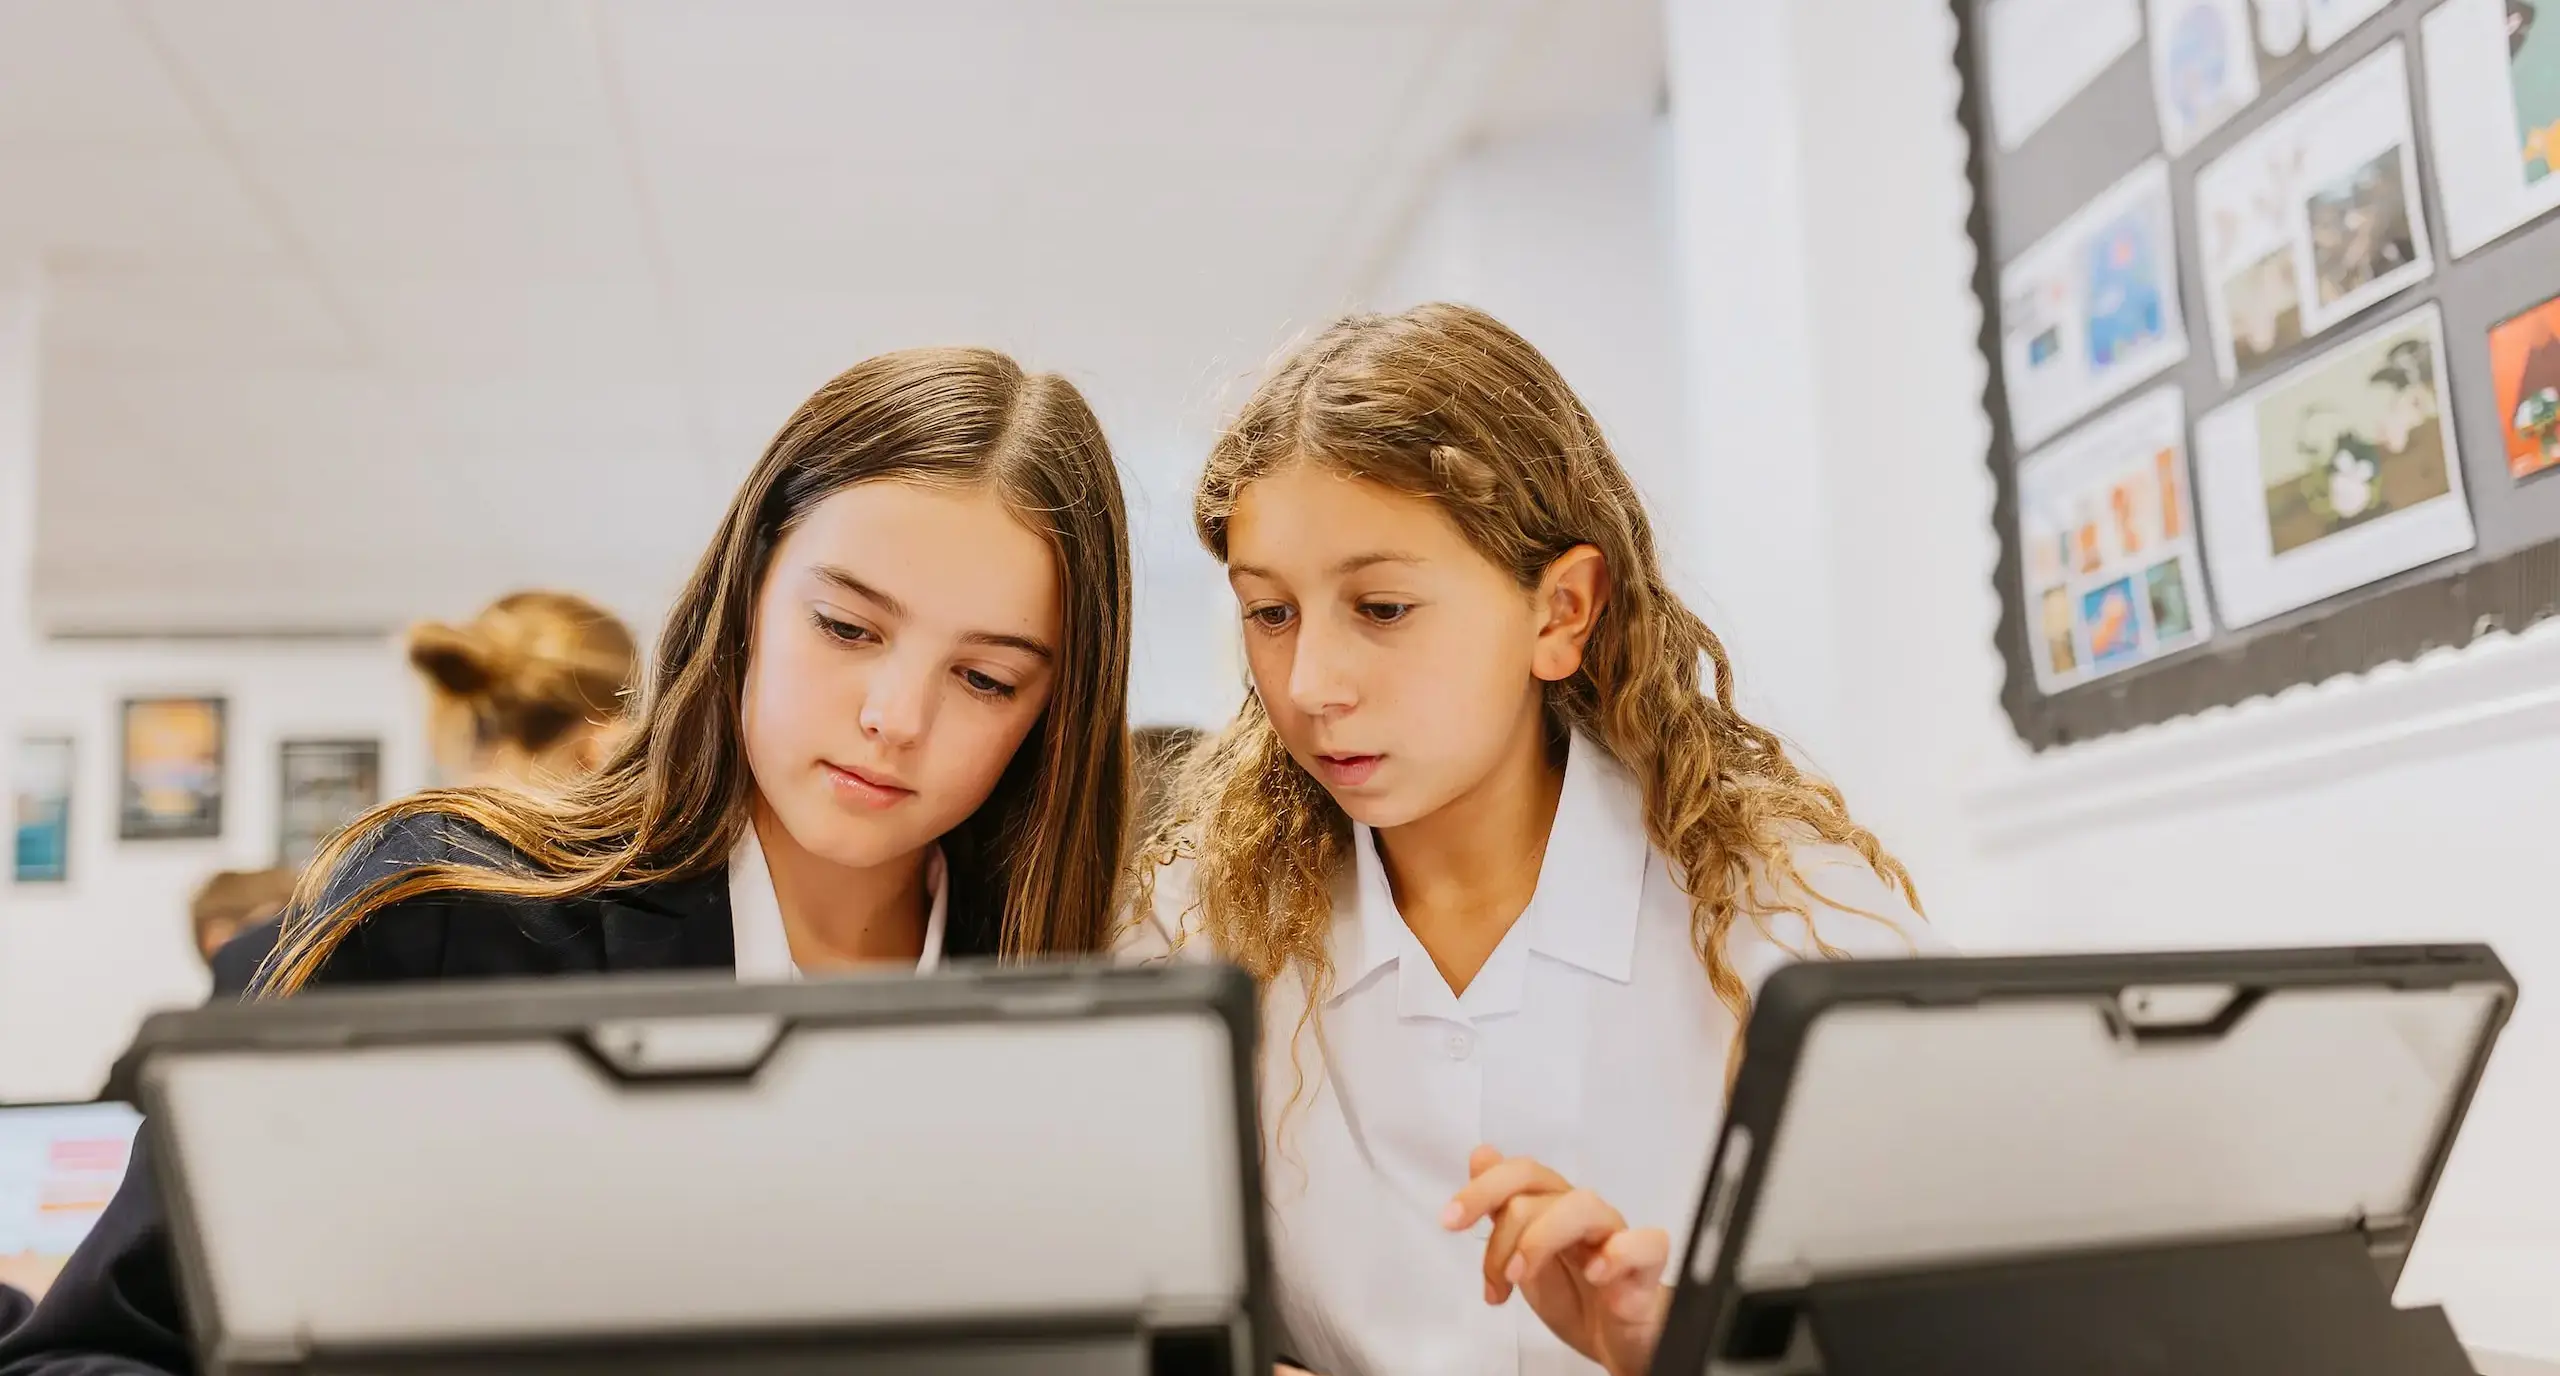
(321, 785)
(172, 777)
(41, 781)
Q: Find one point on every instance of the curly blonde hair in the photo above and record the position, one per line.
(1445, 402)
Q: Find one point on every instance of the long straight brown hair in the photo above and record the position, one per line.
(1039, 861)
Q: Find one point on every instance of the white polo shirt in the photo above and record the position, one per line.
(1589, 1040)
(755, 915)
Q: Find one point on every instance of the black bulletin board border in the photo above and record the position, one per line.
(2442, 605)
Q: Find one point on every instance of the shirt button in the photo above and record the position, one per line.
(1461, 1046)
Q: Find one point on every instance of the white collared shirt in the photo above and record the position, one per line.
(1590, 1041)
(755, 915)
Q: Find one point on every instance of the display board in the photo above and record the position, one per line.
(2271, 312)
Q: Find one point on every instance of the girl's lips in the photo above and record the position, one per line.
(867, 791)
(1346, 771)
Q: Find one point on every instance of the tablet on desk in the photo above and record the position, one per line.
(2120, 1163)
(59, 1165)
(981, 1171)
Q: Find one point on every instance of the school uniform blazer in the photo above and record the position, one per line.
(115, 1309)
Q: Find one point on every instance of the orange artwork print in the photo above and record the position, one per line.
(2524, 362)
(2172, 511)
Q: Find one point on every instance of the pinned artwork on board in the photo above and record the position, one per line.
(321, 785)
(2091, 310)
(173, 764)
(2524, 364)
(2108, 535)
(41, 783)
(2314, 217)
(2339, 472)
(2493, 106)
(2211, 59)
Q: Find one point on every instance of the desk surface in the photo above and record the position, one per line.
(2499, 1364)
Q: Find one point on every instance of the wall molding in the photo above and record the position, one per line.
(2496, 691)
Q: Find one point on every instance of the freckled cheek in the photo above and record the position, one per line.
(1266, 659)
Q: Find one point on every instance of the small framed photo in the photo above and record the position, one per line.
(173, 770)
(41, 782)
(321, 785)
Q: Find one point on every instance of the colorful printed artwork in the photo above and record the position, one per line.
(2091, 310)
(2337, 473)
(41, 783)
(2110, 558)
(173, 758)
(2524, 364)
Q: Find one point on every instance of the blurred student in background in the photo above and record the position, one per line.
(1483, 827)
(530, 694)
(886, 724)
(236, 915)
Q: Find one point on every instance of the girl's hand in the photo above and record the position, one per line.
(1593, 1280)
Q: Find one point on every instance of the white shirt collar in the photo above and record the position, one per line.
(755, 914)
(1583, 911)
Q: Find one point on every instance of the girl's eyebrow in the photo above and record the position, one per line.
(1002, 641)
(898, 610)
(858, 588)
(1353, 564)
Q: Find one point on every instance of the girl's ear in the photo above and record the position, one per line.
(1570, 595)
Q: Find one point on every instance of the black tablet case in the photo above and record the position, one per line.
(2315, 1302)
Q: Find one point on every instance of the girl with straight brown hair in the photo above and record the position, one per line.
(886, 725)
(1508, 863)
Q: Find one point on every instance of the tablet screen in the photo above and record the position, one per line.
(59, 1165)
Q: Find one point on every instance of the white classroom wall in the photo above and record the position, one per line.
(2412, 804)
(1565, 236)
(82, 961)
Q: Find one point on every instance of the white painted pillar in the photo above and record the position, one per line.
(1752, 537)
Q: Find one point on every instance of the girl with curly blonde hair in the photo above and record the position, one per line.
(1507, 864)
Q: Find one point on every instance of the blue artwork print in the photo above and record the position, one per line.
(2123, 298)
(2199, 65)
(2115, 630)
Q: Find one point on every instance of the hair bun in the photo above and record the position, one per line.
(458, 660)
(531, 665)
